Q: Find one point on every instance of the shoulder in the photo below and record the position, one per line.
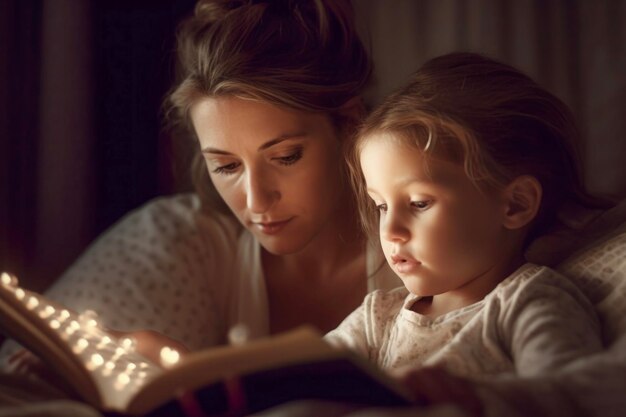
(180, 212)
(534, 284)
(171, 222)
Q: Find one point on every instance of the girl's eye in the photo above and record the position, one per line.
(290, 159)
(421, 205)
(226, 169)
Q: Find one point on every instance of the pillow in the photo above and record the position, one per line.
(594, 252)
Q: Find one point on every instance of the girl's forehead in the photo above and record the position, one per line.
(389, 140)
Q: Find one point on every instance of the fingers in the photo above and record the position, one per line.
(149, 344)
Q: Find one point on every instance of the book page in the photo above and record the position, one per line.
(208, 366)
(102, 369)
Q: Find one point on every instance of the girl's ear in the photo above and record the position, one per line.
(522, 200)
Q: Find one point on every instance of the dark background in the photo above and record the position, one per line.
(82, 81)
(119, 56)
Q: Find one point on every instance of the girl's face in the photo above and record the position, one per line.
(277, 169)
(438, 231)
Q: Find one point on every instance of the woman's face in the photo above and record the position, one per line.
(277, 169)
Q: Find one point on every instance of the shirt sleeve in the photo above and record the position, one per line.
(547, 323)
(592, 386)
(367, 329)
(351, 332)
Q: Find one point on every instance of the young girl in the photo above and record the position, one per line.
(465, 166)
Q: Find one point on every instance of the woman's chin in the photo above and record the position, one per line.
(280, 246)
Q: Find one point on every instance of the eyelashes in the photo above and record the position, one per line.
(291, 159)
(286, 160)
(417, 205)
(226, 169)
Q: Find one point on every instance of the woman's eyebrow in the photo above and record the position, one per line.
(264, 146)
(281, 138)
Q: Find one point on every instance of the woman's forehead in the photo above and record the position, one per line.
(221, 122)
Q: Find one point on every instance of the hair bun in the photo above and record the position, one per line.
(214, 10)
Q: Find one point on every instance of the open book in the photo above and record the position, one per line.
(106, 371)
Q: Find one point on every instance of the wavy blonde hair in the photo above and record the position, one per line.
(488, 117)
(304, 55)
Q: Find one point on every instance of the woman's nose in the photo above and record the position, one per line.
(394, 227)
(261, 193)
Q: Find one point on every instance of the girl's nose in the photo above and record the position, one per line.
(393, 227)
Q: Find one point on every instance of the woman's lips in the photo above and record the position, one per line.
(404, 264)
(271, 228)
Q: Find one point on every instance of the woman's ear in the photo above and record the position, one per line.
(353, 111)
(522, 201)
(354, 108)
(349, 117)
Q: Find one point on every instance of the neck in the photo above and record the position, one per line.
(474, 290)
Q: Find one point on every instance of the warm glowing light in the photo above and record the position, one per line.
(130, 367)
(81, 344)
(128, 343)
(74, 325)
(89, 318)
(64, 315)
(46, 312)
(105, 340)
(97, 359)
(20, 294)
(238, 334)
(55, 324)
(108, 368)
(121, 381)
(169, 356)
(32, 302)
(9, 280)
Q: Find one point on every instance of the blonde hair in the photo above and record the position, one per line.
(305, 55)
(488, 117)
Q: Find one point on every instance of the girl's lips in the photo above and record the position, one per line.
(271, 228)
(403, 264)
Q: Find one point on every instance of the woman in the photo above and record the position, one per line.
(268, 91)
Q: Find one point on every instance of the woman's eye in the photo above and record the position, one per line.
(421, 205)
(291, 158)
(226, 169)
(381, 207)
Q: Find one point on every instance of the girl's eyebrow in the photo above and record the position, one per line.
(264, 146)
